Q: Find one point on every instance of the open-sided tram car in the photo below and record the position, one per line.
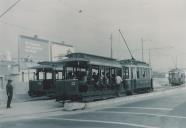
(43, 80)
(89, 77)
(85, 77)
(176, 77)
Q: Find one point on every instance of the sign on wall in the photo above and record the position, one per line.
(59, 51)
(33, 49)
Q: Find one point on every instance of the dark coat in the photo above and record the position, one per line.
(9, 89)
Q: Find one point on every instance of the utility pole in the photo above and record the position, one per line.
(176, 61)
(111, 46)
(142, 49)
(149, 58)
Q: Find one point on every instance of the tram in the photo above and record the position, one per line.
(89, 77)
(176, 77)
(137, 76)
(44, 78)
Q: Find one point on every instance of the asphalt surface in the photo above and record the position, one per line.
(164, 112)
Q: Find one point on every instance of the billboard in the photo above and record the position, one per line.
(32, 49)
(60, 50)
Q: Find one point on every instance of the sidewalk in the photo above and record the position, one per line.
(28, 108)
(24, 105)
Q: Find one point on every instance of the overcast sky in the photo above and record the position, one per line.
(87, 24)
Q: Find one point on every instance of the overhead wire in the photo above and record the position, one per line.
(9, 8)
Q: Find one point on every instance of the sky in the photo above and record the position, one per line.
(88, 24)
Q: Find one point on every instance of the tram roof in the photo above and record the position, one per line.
(133, 62)
(92, 59)
(42, 67)
(86, 55)
(47, 63)
(176, 70)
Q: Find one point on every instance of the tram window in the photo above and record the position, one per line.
(125, 72)
(81, 69)
(69, 72)
(75, 73)
(148, 73)
(119, 72)
(48, 76)
(138, 73)
(113, 70)
(34, 76)
(132, 73)
(107, 75)
(41, 75)
(59, 75)
(144, 73)
(80, 74)
(95, 73)
(141, 72)
(113, 73)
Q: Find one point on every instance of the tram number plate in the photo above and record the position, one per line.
(73, 83)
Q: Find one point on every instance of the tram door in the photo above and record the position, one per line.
(133, 78)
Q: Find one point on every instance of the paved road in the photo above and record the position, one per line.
(165, 112)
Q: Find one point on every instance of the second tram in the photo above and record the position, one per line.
(44, 78)
(176, 76)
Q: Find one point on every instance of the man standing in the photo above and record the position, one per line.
(118, 83)
(9, 91)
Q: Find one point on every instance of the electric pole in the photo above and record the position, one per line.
(142, 49)
(111, 46)
(149, 58)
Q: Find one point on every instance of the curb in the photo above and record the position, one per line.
(72, 106)
(133, 98)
